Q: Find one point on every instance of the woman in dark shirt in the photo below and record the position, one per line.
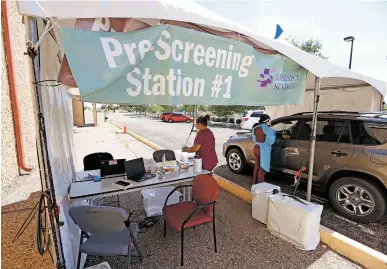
(204, 144)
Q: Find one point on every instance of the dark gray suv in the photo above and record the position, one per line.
(350, 159)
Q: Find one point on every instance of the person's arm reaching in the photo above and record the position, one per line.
(194, 148)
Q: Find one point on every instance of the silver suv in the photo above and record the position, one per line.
(350, 159)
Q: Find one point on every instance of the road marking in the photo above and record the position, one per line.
(364, 229)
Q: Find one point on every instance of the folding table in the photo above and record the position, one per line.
(85, 189)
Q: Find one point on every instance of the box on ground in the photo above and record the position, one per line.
(260, 200)
(154, 200)
(295, 220)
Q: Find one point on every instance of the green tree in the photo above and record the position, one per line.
(203, 108)
(312, 46)
(169, 108)
(129, 108)
(187, 108)
(156, 109)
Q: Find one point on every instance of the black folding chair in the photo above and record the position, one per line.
(93, 162)
(169, 155)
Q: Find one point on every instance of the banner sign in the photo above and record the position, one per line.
(167, 64)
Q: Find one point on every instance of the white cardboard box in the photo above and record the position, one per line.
(260, 200)
(295, 220)
(154, 200)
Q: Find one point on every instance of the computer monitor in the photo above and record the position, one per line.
(112, 168)
(135, 167)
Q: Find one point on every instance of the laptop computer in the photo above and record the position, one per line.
(135, 170)
(112, 168)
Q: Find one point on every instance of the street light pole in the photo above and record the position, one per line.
(350, 39)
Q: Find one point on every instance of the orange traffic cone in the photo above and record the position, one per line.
(124, 128)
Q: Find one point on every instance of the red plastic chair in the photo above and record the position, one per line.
(190, 214)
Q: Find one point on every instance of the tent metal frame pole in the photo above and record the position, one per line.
(313, 138)
(32, 35)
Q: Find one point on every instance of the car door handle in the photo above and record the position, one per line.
(339, 153)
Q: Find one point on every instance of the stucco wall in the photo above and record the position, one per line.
(78, 113)
(9, 170)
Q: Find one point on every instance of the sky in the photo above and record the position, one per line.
(327, 20)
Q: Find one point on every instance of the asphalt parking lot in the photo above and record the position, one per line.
(173, 136)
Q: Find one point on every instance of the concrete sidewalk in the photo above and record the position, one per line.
(242, 241)
(107, 138)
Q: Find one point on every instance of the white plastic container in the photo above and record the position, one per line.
(294, 221)
(148, 164)
(198, 163)
(178, 154)
(154, 200)
(260, 200)
(183, 156)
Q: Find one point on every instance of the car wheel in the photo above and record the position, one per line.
(236, 161)
(170, 120)
(188, 121)
(163, 119)
(358, 199)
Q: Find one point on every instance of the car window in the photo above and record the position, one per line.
(256, 114)
(368, 133)
(327, 131)
(287, 128)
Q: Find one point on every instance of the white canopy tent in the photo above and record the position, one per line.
(342, 89)
(329, 78)
(153, 11)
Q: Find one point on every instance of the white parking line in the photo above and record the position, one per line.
(362, 228)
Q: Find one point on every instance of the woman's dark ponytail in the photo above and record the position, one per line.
(264, 118)
(203, 120)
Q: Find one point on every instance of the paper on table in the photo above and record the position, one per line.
(85, 174)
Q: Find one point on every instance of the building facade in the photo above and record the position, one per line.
(12, 177)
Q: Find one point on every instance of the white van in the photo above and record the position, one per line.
(250, 118)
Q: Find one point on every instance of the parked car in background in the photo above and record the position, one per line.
(350, 158)
(162, 116)
(250, 118)
(177, 117)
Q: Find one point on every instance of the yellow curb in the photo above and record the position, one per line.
(343, 245)
(233, 188)
(353, 250)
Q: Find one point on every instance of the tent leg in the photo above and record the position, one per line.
(313, 138)
(95, 114)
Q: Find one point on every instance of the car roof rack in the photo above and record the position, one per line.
(376, 114)
(330, 112)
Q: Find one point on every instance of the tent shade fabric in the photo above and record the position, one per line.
(167, 64)
(152, 12)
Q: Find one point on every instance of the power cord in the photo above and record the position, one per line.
(148, 222)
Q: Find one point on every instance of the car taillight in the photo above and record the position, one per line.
(245, 119)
